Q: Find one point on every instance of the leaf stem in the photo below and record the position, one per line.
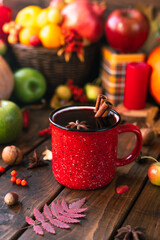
(149, 157)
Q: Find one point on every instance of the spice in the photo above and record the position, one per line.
(77, 125)
(102, 107)
(128, 233)
(36, 161)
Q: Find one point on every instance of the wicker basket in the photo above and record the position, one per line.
(54, 67)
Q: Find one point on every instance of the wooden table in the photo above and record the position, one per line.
(107, 211)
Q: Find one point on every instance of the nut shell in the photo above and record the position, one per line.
(11, 198)
(12, 155)
(148, 135)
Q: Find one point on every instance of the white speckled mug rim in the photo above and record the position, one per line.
(66, 108)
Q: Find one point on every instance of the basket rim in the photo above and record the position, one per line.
(41, 48)
(38, 48)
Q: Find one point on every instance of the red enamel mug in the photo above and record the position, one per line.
(87, 159)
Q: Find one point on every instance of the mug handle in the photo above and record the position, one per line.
(135, 152)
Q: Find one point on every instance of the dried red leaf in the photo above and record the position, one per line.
(73, 215)
(38, 230)
(54, 221)
(59, 207)
(54, 209)
(77, 204)
(47, 212)
(30, 221)
(122, 189)
(67, 219)
(58, 223)
(48, 227)
(58, 215)
(64, 205)
(38, 215)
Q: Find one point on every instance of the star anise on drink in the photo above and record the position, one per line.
(77, 125)
(129, 233)
(36, 161)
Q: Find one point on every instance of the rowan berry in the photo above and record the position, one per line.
(18, 181)
(13, 179)
(13, 173)
(2, 169)
(23, 182)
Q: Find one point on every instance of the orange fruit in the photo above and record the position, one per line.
(51, 36)
(42, 18)
(54, 15)
(26, 33)
(154, 61)
(27, 17)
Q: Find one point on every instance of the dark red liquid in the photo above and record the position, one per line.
(63, 117)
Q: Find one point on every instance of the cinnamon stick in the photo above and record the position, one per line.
(99, 101)
(102, 107)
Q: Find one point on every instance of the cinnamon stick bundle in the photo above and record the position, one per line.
(103, 106)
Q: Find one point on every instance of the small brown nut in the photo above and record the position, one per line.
(11, 198)
(148, 135)
(12, 155)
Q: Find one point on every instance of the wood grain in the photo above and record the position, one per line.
(41, 189)
(106, 209)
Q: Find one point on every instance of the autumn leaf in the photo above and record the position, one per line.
(57, 214)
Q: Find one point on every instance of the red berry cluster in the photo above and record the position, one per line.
(16, 180)
(78, 93)
(45, 132)
(2, 169)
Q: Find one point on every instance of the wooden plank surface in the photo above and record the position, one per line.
(41, 189)
(107, 210)
(146, 212)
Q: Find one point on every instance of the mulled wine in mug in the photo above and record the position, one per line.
(84, 147)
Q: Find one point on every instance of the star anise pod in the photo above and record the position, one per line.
(129, 233)
(36, 161)
(77, 125)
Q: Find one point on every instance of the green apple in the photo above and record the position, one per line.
(11, 121)
(92, 91)
(30, 85)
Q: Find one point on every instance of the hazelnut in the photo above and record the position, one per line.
(12, 155)
(148, 135)
(11, 198)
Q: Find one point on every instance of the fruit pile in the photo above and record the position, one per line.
(69, 93)
(35, 26)
(60, 25)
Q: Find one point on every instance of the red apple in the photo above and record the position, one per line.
(35, 40)
(5, 16)
(154, 173)
(126, 30)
